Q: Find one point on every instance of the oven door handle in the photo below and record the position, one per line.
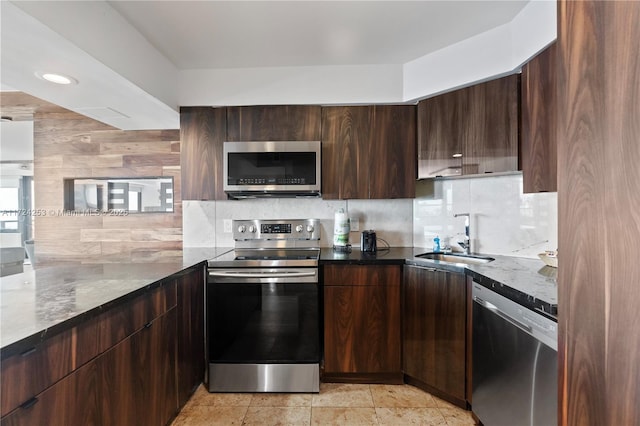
(229, 274)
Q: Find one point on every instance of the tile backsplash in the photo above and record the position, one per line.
(503, 219)
(391, 219)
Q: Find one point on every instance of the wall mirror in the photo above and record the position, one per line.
(131, 195)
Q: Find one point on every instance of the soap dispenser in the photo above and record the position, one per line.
(436, 244)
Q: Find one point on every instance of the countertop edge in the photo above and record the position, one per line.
(29, 342)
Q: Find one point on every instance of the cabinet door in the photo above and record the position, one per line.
(137, 377)
(490, 123)
(29, 373)
(202, 133)
(346, 135)
(362, 320)
(368, 152)
(539, 117)
(434, 331)
(274, 123)
(190, 361)
(72, 401)
(440, 136)
(392, 165)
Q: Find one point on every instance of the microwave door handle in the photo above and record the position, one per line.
(230, 274)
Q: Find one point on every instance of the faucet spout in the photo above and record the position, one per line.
(466, 244)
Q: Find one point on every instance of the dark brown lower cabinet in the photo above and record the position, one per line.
(133, 383)
(190, 338)
(434, 331)
(73, 400)
(137, 377)
(362, 323)
(144, 374)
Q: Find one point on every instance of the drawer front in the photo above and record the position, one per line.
(362, 275)
(27, 374)
(120, 322)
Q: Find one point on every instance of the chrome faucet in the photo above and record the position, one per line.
(466, 244)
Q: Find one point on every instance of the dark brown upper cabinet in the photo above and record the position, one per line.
(274, 123)
(470, 131)
(202, 133)
(439, 135)
(368, 152)
(538, 141)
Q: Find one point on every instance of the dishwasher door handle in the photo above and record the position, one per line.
(493, 308)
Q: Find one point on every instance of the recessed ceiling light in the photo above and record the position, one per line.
(56, 78)
(457, 155)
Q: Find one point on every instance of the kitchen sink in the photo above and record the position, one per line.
(457, 258)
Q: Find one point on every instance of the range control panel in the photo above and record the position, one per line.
(276, 230)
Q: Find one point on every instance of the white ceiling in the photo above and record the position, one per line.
(240, 34)
(138, 61)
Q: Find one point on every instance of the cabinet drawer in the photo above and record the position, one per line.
(118, 323)
(71, 401)
(362, 275)
(27, 374)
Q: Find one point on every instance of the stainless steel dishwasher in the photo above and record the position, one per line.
(515, 362)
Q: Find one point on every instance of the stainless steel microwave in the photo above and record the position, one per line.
(272, 169)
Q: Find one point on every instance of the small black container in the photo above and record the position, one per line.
(368, 241)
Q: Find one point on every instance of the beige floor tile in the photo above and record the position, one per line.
(457, 416)
(343, 416)
(410, 416)
(204, 415)
(441, 403)
(281, 400)
(277, 416)
(398, 396)
(202, 397)
(342, 395)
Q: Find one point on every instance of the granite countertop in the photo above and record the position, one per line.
(525, 281)
(53, 297)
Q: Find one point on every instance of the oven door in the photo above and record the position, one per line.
(265, 315)
(262, 319)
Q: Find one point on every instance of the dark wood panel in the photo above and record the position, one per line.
(362, 321)
(346, 137)
(538, 144)
(490, 114)
(361, 275)
(622, 69)
(120, 322)
(362, 329)
(434, 329)
(392, 165)
(439, 135)
(27, 374)
(583, 213)
(72, 401)
(202, 133)
(274, 123)
(190, 340)
(137, 377)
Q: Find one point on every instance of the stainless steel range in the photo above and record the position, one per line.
(263, 323)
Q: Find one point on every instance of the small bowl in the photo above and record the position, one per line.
(550, 258)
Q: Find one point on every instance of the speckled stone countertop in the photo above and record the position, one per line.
(526, 281)
(52, 298)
